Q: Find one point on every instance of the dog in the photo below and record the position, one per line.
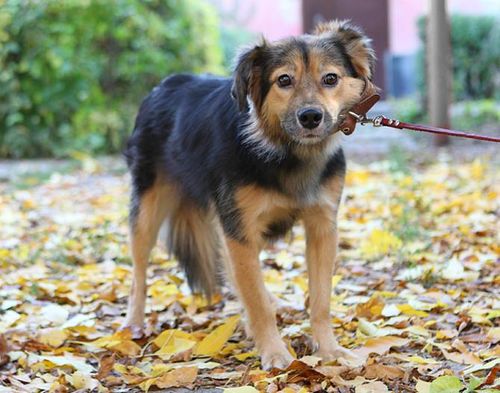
(230, 164)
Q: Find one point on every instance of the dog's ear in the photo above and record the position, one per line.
(247, 76)
(356, 43)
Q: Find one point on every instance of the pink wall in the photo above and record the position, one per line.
(274, 19)
(403, 16)
(281, 18)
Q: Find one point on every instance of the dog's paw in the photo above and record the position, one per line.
(273, 359)
(136, 329)
(336, 352)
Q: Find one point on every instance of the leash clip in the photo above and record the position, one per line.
(363, 120)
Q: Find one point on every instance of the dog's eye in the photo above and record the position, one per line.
(330, 79)
(284, 80)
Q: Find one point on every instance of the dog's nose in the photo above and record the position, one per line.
(310, 117)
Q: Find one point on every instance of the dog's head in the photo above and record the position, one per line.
(299, 87)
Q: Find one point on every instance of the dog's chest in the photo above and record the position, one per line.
(303, 183)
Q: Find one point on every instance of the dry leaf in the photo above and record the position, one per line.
(372, 387)
(213, 343)
(172, 342)
(121, 342)
(4, 350)
(105, 366)
(382, 371)
(379, 345)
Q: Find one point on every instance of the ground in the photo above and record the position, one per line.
(416, 296)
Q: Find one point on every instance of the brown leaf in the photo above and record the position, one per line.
(382, 371)
(461, 358)
(4, 349)
(491, 377)
(178, 377)
(379, 345)
(372, 309)
(299, 372)
(105, 366)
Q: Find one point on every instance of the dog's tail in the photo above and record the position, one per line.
(192, 236)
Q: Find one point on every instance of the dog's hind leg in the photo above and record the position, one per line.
(147, 213)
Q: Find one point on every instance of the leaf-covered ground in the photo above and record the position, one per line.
(416, 297)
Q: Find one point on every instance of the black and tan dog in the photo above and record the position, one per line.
(229, 164)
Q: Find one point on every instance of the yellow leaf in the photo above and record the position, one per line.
(417, 359)
(380, 243)
(409, 310)
(53, 337)
(244, 356)
(213, 343)
(446, 334)
(167, 335)
(120, 341)
(82, 381)
(172, 342)
(370, 309)
(477, 169)
(335, 280)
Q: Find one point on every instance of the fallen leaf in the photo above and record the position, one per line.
(53, 337)
(105, 366)
(178, 377)
(121, 342)
(380, 243)
(173, 342)
(423, 387)
(446, 384)
(371, 309)
(372, 387)
(461, 358)
(382, 371)
(54, 314)
(78, 363)
(213, 342)
(4, 350)
(379, 345)
(82, 381)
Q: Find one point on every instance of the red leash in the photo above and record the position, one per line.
(400, 125)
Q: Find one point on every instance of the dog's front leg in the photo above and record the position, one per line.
(321, 243)
(246, 275)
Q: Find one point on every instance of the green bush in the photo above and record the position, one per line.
(473, 115)
(72, 73)
(475, 42)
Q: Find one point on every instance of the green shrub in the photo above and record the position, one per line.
(473, 115)
(475, 42)
(72, 73)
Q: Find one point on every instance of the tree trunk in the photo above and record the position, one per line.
(439, 67)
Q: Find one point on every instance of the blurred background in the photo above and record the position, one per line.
(72, 73)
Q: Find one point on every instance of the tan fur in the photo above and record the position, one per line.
(152, 210)
(258, 208)
(249, 284)
(307, 88)
(356, 44)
